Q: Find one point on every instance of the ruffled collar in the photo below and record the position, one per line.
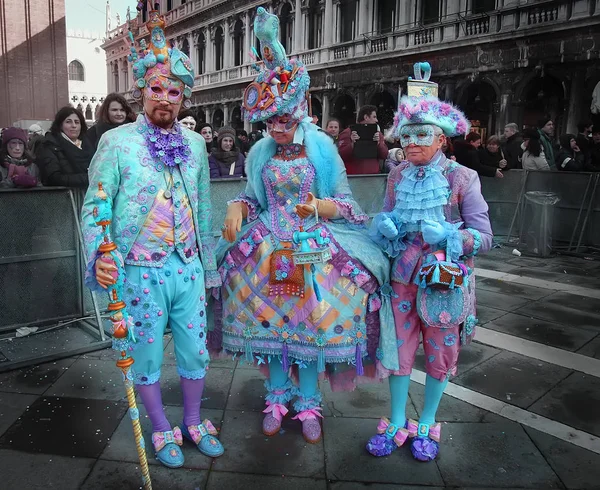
(167, 147)
(422, 194)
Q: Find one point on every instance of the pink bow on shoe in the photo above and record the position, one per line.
(413, 428)
(309, 414)
(398, 434)
(197, 432)
(161, 439)
(277, 410)
(434, 432)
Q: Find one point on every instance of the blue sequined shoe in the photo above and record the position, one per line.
(203, 436)
(166, 447)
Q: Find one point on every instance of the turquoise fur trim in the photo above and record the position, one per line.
(288, 388)
(303, 403)
(320, 150)
(476, 242)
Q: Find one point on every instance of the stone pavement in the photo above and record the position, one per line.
(63, 424)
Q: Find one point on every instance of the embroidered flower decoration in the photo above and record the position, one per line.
(445, 317)
(404, 306)
(450, 339)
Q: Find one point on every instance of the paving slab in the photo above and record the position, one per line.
(470, 356)
(500, 301)
(513, 378)
(34, 380)
(377, 486)
(543, 331)
(558, 277)
(219, 480)
(451, 409)
(12, 406)
(575, 466)
(490, 263)
(41, 471)
(549, 309)
(248, 450)
(574, 402)
(65, 426)
(247, 390)
(498, 454)
(591, 349)
(115, 475)
(370, 401)
(577, 302)
(487, 314)
(216, 387)
(90, 378)
(513, 289)
(348, 460)
(121, 446)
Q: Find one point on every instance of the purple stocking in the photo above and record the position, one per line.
(152, 399)
(192, 398)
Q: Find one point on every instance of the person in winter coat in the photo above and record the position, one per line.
(114, 112)
(395, 158)
(208, 133)
(188, 120)
(61, 159)
(594, 156)
(466, 154)
(512, 145)
(570, 157)
(492, 155)
(226, 161)
(546, 130)
(533, 157)
(16, 163)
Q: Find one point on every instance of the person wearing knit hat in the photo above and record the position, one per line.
(546, 130)
(300, 276)
(433, 223)
(226, 160)
(16, 163)
(35, 129)
(155, 174)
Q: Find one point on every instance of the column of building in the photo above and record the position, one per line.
(227, 51)
(298, 28)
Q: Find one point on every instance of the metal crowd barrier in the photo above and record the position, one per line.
(41, 261)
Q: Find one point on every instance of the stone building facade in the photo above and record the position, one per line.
(33, 60)
(500, 60)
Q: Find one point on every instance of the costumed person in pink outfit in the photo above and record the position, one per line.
(300, 275)
(433, 223)
(155, 174)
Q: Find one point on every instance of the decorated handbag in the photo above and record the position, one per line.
(444, 297)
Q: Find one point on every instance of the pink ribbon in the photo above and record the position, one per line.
(197, 432)
(277, 410)
(161, 439)
(310, 414)
(413, 427)
(399, 434)
(435, 431)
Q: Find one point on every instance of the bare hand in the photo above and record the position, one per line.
(104, 272)
(308, 208)
(576, 148)
(376, 136)
(502, 163)
(233, 222)
(499, 175)
(354, 136)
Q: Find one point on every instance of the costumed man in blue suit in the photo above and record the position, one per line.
(300, 276)
(155, 174)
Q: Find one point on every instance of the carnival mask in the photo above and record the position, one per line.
(417, 134)
(281, 124)
(160, 88)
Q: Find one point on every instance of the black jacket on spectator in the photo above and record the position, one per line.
(584, 143)
(513, 151)
(467, 155)
(594, 157)
(61, 163)
(93, 135)
(488, 158)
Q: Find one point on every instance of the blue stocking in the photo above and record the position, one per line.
(277, 376)
(309, 379)
(434, 389)
(399, 391)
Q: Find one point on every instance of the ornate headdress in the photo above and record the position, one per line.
(159, 58)
(422, 106)
(281, 84)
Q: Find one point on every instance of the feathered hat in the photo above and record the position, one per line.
(422, 106)
(159, 57)
(281, 84)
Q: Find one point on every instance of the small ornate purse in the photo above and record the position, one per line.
(285, 277)
(437, 272)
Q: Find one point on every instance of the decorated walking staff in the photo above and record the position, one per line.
(121, 333)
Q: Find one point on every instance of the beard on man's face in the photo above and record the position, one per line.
(160, 114)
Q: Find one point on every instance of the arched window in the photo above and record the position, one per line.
(347, 20)
(185, 47)
(76, 71)
(219, 48)
(238, 43)
(315, 22)
(286, 21)
(201, 54)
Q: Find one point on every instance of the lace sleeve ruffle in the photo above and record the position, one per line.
(348, 209)
(253, 205)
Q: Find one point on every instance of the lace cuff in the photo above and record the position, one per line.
(212, 279)
(250, 202)
(471, 242)
(348, 209)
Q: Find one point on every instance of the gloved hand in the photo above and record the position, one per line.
(388, 228)
(433, 232)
